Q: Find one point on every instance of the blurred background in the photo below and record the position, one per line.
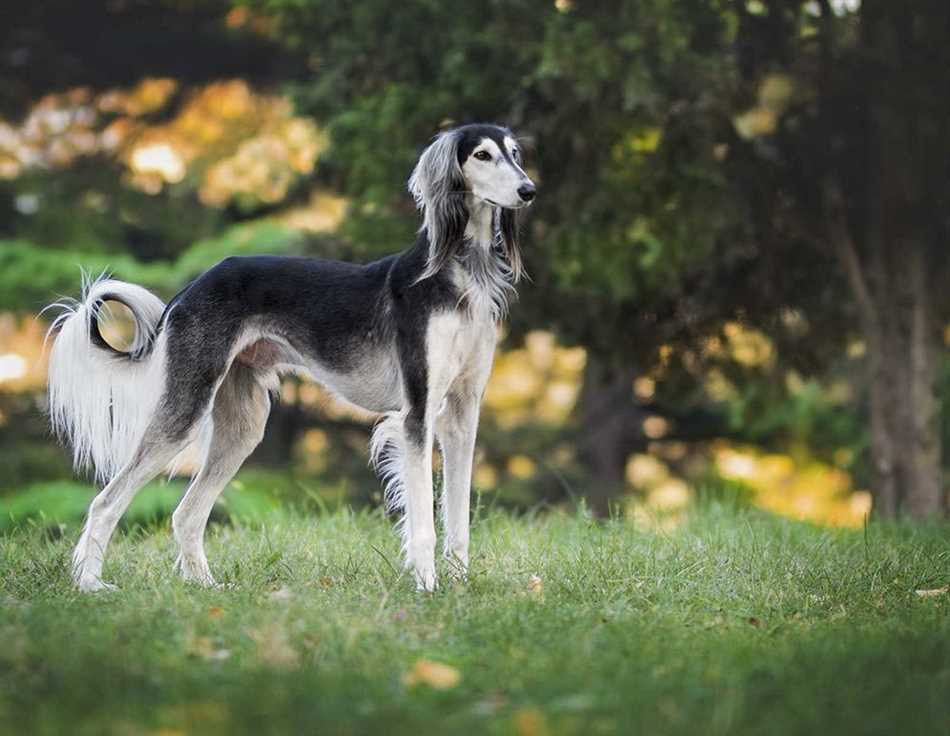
(738, 261)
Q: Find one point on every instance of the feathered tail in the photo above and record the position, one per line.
(101, 399)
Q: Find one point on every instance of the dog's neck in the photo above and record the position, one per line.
(480, 229)
(482, 276)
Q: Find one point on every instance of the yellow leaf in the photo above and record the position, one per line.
(934, 592)
(535, 585)
(434, 674)
(281, 595)
(530, 722)
(203, 647)
(274, 647)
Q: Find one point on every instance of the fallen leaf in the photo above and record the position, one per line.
(434, 674)
(201, 716)
(281, 595)
(535, 585)
(934, 592)
(753, 621)
(274, 648)
(530, 722)
(493, 703)
(203, 647)
(215, 612)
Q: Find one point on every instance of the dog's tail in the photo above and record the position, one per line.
(100, 398)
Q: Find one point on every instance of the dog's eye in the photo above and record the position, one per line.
(483, 155)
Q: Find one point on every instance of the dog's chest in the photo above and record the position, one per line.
(482, 283)
(459, 340)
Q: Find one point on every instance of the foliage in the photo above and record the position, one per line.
(623, 103)
(34, 275)
(739, 621)
(684, 150)
(666, 137)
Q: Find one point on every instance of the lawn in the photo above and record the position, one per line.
(731, 622)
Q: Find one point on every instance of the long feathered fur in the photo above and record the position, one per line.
(509, 242)
(387, 452)
(438, 188)
(100, 400)
(489, 285)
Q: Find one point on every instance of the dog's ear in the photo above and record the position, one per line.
(511, 249)
(438, 187)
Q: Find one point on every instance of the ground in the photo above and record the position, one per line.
(731, 622)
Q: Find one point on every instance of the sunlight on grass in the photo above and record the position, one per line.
(733, 619)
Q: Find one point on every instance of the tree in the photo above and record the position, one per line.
(860, 154)
(639, 222)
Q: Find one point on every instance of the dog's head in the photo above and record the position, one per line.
(483, 162)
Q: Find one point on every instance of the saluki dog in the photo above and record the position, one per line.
(411, 337)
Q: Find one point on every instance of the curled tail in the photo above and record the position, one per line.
(101, 399)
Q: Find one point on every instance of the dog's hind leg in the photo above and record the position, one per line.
(191, 379)
(238, 417)
(154, 453)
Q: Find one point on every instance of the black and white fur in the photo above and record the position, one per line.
(411, 336)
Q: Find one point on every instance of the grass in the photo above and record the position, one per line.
(734, 622)
(58, 504)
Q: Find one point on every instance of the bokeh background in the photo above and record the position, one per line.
(738, 254)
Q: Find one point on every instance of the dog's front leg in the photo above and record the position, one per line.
(457, 426)
(425, 385)
(419, 521)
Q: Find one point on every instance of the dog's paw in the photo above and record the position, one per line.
(199, 574)
(93, 584)
(426, 581)
(195, 571)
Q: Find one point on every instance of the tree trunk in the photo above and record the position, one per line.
(609, 428)
(919, 447)
(903, 349)
(891, 276)
(882, 380)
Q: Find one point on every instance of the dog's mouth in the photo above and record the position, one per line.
(516, 206)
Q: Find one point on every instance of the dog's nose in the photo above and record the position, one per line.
(527, 191)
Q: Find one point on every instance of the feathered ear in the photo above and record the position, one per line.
(508, 226)
(438, 187)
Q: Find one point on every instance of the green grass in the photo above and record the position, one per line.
(61, 504)
(734, 622)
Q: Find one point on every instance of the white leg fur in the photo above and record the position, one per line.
(239, 416)
(406, 472)
(457, 428)
(107, 508)
(420, 517)
(445, 359)
(406, 466)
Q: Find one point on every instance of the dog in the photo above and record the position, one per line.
(410, 337)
